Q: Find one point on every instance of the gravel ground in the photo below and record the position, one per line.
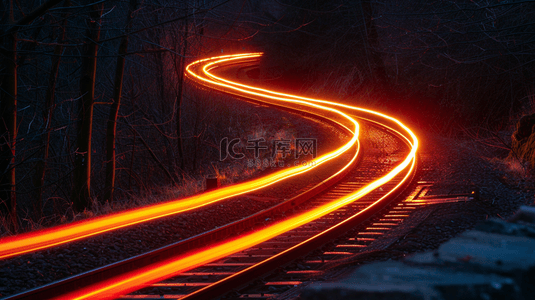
(463, 163)
(460, 164)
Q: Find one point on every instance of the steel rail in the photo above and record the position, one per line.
(297, 250)
(245, 276)
(85, 279)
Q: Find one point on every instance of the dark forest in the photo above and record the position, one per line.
(96, 113)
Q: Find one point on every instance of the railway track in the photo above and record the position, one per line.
(218, 277)
(211, 264)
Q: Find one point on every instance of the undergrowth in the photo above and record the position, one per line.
(228, 171)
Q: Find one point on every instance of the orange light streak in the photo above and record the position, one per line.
(113, 288)
(134, 280)
(413, 140)
(24, 243)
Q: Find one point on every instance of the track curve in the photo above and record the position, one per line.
(204, 72)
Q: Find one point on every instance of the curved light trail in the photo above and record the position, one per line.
(24, 243)
(136, 279)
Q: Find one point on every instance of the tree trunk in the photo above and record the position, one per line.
(8, 125)
(161, 117)
(40, 173)
(134, 138)
(82, 161)
(180, 74)
(111, 130)
(372, 40)
(8, 109)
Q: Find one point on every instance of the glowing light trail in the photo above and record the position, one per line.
(24, 243)
(256, 91)
(136, 279)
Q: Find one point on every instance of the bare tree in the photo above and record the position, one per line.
(180, 89)
(111, 130)
(48, 114)
(9, 121)
(8, 106)
(82, 166)
(474, 58)
(64, 135)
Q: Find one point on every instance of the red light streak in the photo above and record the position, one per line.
(24, 243)
(134, 280)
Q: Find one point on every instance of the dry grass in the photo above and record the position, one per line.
(229, 171)
(187, 187)
(521, 159)
(508, 150)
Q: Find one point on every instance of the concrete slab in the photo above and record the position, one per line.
(497, 252)
(396, 280)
